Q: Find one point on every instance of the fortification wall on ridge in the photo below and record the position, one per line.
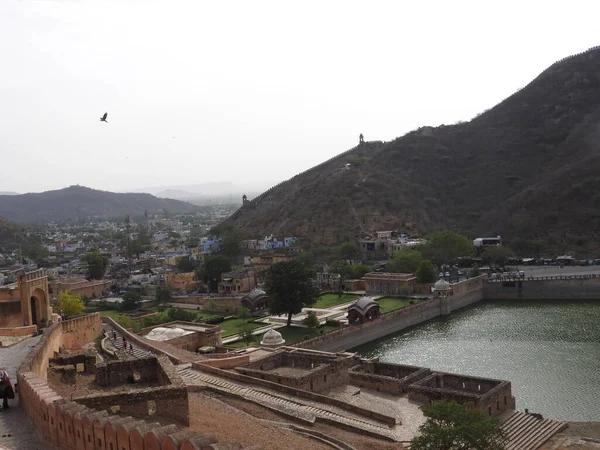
(69, 425)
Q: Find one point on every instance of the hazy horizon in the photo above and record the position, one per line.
(200, 92)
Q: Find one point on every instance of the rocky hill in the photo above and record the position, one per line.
(527, 168)
(82, 202)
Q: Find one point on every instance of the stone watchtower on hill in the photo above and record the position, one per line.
(361, 139)
(244, 199)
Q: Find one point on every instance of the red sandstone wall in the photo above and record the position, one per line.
(69, 425)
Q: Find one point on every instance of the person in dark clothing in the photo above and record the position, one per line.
(6, 388)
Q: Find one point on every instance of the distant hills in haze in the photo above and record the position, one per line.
(207, 193)
(527, 169)
(79, 202)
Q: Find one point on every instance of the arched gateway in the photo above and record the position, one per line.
(27, 302)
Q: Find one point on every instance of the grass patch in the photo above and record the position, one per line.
(235, 326)
(387, 304)
(329, 300)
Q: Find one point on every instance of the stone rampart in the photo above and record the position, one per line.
(69, 425)
(575, 287)
(18, 331)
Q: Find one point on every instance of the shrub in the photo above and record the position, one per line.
(311, 320)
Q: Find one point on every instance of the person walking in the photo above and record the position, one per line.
(6, 388)
(131, 349)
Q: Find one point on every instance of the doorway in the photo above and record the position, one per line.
(34, 318)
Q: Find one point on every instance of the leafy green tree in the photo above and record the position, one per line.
(452, 426)
(342, 268)
(474, 272)
(405, 260)
(34, 251)
(444, 247)
(497, 255)
(163, 293)
(214, 266)
(359, 270)
(246, 334)
(231, 241)
(290, 287)
(70, 304)
(131, 300)
(96, 264)
(425, 272)
(243, 314)
(185, 264)
(311, 320)
(348, 250)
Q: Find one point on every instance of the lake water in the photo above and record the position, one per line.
(549, 350)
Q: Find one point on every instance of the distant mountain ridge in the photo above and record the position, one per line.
(525, 169)
(79, 202)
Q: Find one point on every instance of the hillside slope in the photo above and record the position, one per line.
(527, 168)
(82, 202)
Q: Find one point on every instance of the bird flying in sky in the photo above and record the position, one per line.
(103, 118)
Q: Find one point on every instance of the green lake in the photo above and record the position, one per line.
(549, 350)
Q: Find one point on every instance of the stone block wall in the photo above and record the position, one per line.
(321, 371)
(114, 373)
(69, 425)
(491, 396)
(584, 287)
(383, 377)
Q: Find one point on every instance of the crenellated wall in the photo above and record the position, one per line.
(69, 425)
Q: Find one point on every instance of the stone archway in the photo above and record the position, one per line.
(39, 307)
(34, 311)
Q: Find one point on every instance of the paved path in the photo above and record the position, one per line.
(14, 421)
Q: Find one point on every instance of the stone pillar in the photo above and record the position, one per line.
(445, 306)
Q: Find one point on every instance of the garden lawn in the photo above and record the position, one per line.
(387, 304)
(235, 326)
(329, 300)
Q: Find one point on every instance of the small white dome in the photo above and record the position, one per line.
(272, 337)
(441, 285)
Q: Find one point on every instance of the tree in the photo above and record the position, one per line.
(348, 250)
(497, 255)
(163, 293)
(311, 320)
(405, 260)
(342, 268)
(425, 272)
(214, 266)
(474, 272)
(185, 264)
(34, 251)
(243, 314)
(231, 241)
(96, 264)
(131, 300)
(359, 270)
(444, 247)
(70, 304)
(452, 426)
(290, 287)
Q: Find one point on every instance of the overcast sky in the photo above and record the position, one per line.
(251, 91)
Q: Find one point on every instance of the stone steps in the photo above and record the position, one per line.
(527, 432)
(118, 343)
(304, 412)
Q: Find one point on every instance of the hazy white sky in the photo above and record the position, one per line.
(251, 91)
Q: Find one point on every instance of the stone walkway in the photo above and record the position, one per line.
(14, 421)
(300, 409)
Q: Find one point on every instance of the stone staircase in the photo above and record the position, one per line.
(527, 431)
(307, 413)
(118, 343)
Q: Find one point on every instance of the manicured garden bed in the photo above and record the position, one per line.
(329, 300)
(387, 304)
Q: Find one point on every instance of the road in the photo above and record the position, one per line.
(552, 271)
(14, 421)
